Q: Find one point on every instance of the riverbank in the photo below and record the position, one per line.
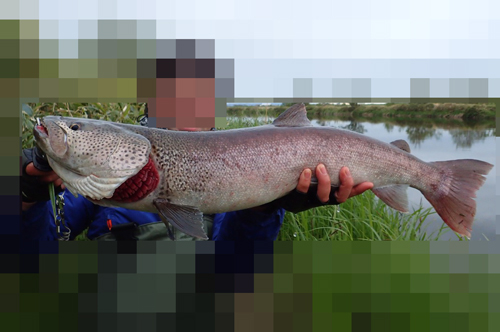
(449, 111)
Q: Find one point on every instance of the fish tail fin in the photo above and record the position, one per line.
(453, 196)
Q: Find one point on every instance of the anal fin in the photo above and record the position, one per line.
(395, 196)
(187, 219)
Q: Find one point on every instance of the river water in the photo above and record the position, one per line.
(439, 142)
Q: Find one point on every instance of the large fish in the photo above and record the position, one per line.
(184, 174)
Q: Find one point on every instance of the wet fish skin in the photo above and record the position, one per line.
(212, 172)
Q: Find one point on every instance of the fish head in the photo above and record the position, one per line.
(92, 157)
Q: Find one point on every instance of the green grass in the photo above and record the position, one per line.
(116, 112)
(362, 218)
(82, 236)
(237, 122)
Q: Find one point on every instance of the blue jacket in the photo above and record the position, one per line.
(79, 213)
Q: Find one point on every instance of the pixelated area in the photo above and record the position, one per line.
(226, 286)
(90, 55)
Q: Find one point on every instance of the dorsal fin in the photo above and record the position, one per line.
(402, 144)
(295, 116)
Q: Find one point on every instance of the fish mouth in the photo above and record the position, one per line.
(48, 139)
(41, 129)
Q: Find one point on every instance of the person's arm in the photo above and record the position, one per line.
(35, 178)
(38, 224)
(37, 221)
(250, 224)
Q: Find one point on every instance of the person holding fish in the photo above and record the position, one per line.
(105, 223)
(185, 176)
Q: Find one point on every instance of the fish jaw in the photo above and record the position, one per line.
(93, 158)
(51, 138)
(89, 186)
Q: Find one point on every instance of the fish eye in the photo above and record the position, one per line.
(74, 126)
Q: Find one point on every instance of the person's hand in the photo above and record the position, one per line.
(307, 195)
(44, 177)
(346, 189)
(35, 180)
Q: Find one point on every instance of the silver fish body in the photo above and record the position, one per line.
(242, 168)
(212, 172)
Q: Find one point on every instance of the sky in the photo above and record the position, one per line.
(300, 49)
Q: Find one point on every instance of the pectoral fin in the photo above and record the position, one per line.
(394, 196)
(187, 219)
